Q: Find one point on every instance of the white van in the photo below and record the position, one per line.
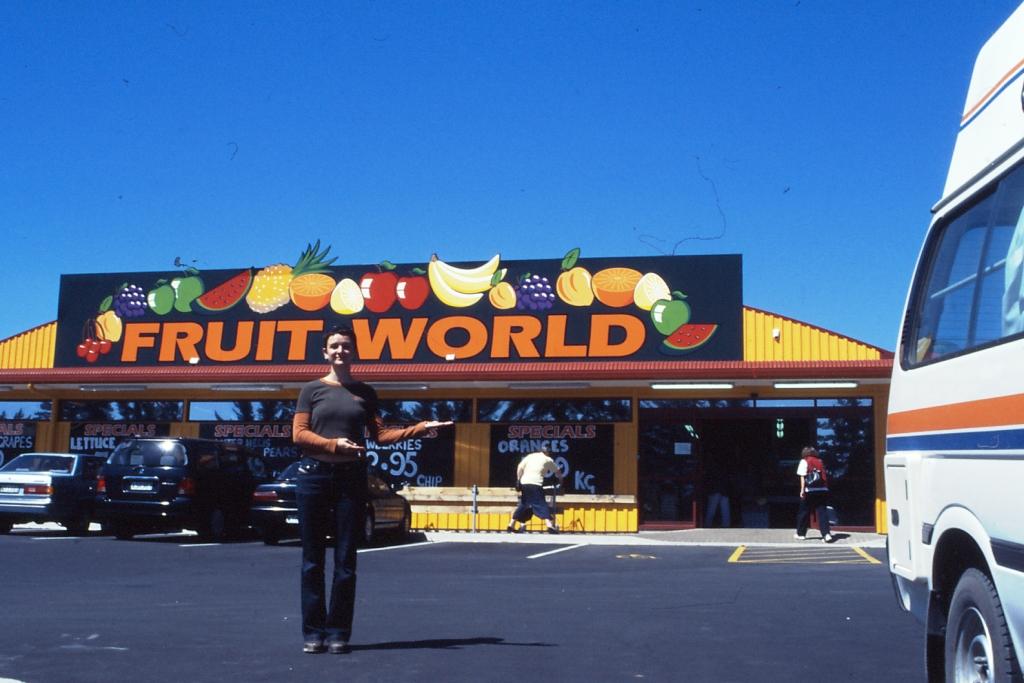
(954, 464)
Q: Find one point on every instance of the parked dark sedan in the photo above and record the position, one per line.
(276, 516)
(49, 487)
(169, 484)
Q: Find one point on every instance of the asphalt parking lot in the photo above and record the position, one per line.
(166, 607)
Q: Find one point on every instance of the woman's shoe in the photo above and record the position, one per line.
(828, 538)
(314, 647)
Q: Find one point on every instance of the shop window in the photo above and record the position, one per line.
(399, 411)
(702, 403)
(844, 402)
(241, 411)
(785, 403)
(121, 411)
(555, 410)
(25, 410)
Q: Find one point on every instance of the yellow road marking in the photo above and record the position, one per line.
(867, 556)
(735, 557)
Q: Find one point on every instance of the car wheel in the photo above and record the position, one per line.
(215, 526)
(271, 537)
(123, 532)
(405, 528)
(369, 530)
(5, 526)
(978, 646)
(79, 525)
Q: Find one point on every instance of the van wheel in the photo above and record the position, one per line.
(215, 526)
(369, 535)
(978, 646)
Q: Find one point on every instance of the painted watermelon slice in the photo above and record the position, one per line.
(687, 338)
(226, 294)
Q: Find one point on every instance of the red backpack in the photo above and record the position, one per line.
(816, 478)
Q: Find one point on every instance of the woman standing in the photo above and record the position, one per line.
(331, 418)
(813, 495)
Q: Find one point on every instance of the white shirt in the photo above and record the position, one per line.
(534, 467)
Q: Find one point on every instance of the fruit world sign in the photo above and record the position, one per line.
(573, 309)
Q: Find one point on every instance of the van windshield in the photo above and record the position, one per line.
(149, 454)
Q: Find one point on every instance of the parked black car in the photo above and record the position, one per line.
(170, 484)
(275, 513)
(49, 487)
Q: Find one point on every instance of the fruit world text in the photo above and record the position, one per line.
(612, 335)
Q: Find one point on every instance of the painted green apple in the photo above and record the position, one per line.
(186, 290)
(669, 314)
(161, 298)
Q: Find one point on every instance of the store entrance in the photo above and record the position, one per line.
(736, 471)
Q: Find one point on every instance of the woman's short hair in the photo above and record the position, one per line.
(343, 330)
(809, 450)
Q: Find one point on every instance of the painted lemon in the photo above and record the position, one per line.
(347, 298)
(651, 288)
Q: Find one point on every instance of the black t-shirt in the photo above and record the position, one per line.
(338, 410)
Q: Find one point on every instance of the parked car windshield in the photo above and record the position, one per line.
(36, 462)
(149, 454)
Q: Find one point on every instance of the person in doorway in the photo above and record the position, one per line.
(332, 416)
(813, 494)
(718, 480)
(530, 475)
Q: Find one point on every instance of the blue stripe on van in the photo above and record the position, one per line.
(996, 439)
(991, 99)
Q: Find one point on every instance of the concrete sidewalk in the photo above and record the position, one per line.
(702, 537)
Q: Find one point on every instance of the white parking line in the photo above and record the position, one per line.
(55, 538)
(397, 547)
(557, 550)
(197, 545)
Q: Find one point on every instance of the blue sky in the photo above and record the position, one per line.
(810, 137)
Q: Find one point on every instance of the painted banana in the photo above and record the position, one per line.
(460, 287)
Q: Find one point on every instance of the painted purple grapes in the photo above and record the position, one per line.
(534, 293)
(130, 302)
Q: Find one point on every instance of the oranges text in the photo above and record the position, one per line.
(614, 286)
(311, 291)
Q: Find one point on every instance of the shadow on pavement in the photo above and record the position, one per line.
(443, 644)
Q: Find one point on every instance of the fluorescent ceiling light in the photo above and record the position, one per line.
(6, 387)
(549, 385)
(816, 385)
(112, 387)
(247, 387)
(692, 385)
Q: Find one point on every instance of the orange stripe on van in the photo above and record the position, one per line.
(987, 412)
(994, 88)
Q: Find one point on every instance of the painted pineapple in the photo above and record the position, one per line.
(269, 289)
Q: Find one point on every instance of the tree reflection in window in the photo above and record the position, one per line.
(241, 411)
(398, 411)
(121, 411)
(25, 410)
(555, 410)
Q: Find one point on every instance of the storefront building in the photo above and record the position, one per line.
(646, 378)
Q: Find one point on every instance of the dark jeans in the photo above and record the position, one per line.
(332, 501)
(532, 502)
(816, 501)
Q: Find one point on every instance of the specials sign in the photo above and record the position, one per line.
(16, 437)
(427, 460)
(573, 309)
(272, 441)
(583, 452)
(100, 438)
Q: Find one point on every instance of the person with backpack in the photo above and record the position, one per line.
(813, 495)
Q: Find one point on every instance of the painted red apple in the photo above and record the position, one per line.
(379, 290)
(413, 290)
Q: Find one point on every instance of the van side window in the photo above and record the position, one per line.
(972, 294)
